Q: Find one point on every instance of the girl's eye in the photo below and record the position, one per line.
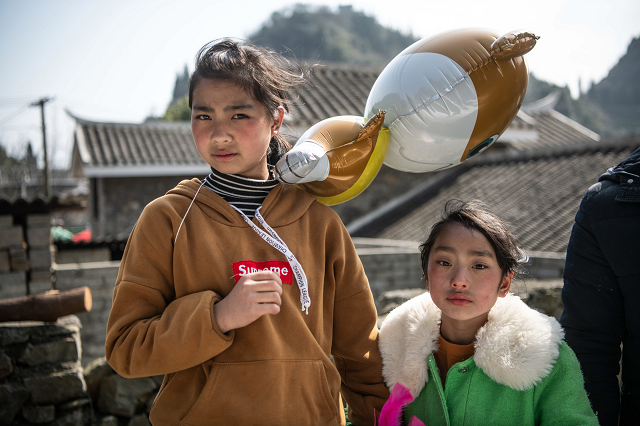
(443, 263)
(202, 117)
(480, 266)
(240, 116)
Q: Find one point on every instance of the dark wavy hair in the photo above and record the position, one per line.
(474, 215)
(265, 75)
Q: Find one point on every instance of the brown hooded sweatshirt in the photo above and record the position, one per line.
(277, 370)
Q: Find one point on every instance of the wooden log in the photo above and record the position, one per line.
(47, 306)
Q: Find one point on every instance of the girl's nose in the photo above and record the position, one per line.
(220, 134)
(459, 280)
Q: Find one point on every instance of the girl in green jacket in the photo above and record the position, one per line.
(468, 352)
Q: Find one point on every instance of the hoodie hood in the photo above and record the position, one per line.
(629, 168)
(278, 209)
(517, 347)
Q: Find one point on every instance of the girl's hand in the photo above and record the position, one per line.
(253, 296)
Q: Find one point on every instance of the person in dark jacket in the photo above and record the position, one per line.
(601, 292)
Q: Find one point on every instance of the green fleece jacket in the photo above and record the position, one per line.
(276, 370)
(522, 373)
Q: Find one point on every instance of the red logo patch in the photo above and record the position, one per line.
(280, 267)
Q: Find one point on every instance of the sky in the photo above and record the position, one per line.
(117, 60)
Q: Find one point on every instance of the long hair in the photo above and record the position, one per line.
(265, 75)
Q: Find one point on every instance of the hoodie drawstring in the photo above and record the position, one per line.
(276, 242)
(185, 215)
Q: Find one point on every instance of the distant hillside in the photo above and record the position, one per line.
(583, 110)
(319, 34)
(619, 92)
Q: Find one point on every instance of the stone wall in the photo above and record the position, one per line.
(25, 254)
(116, 203)
(389, 265)
(41, 379)
(100, 277)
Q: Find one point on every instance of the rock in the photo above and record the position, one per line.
(11, 335)
(109, 421)
(13, 396)
(94, 372)
(389, 300)
(122, 396)
(39, 413)
(76, 403)
(6, 366)
(79, 417)
(141, 420)
(56, 351)
(546, 300)
(57, 387)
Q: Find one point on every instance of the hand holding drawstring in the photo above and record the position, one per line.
(253, 296)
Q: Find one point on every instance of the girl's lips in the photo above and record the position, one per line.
(224, 156)
(458, 299)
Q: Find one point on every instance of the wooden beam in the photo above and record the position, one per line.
(47, 306)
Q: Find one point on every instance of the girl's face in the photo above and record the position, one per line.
(464, 278)
(231, 129)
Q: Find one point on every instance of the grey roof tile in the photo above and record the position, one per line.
(334, 90)
(537, 196)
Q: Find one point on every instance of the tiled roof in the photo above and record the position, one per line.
(545, 129)
(116, 149)
(167, 148)
(333, 90)
(537, 193)
(41, 204)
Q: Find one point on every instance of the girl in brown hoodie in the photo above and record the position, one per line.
(242, 308)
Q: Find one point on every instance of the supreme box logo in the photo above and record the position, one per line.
(280, 267)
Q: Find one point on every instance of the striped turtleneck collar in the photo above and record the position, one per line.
(244, 193)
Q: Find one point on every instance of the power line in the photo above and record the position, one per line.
(15, 114)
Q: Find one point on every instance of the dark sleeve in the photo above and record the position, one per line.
(593, 316)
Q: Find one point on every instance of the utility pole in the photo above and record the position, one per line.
(47, 173)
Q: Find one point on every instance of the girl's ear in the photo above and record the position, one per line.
(277, 120)
(505, 285)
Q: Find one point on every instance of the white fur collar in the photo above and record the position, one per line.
(517, 347)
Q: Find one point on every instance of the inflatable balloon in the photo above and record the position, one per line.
(450, 96)
(441, 101)
(337, 158)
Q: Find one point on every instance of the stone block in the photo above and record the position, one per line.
(13, 284)
(5, 263)
(40, 257)
(39, 220)
(108, 421)
(39, 413)
(122, 396)
(11, 335)
(140, 420)
(57, 351)
(39, 237)
(40, 282)
(78, 417)
(101, 254)
(6, 221)
(11, 236)
(13, 397)
(18, 259)
(94, 372)
(57, 387)
(76, 403)
(6, 365)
